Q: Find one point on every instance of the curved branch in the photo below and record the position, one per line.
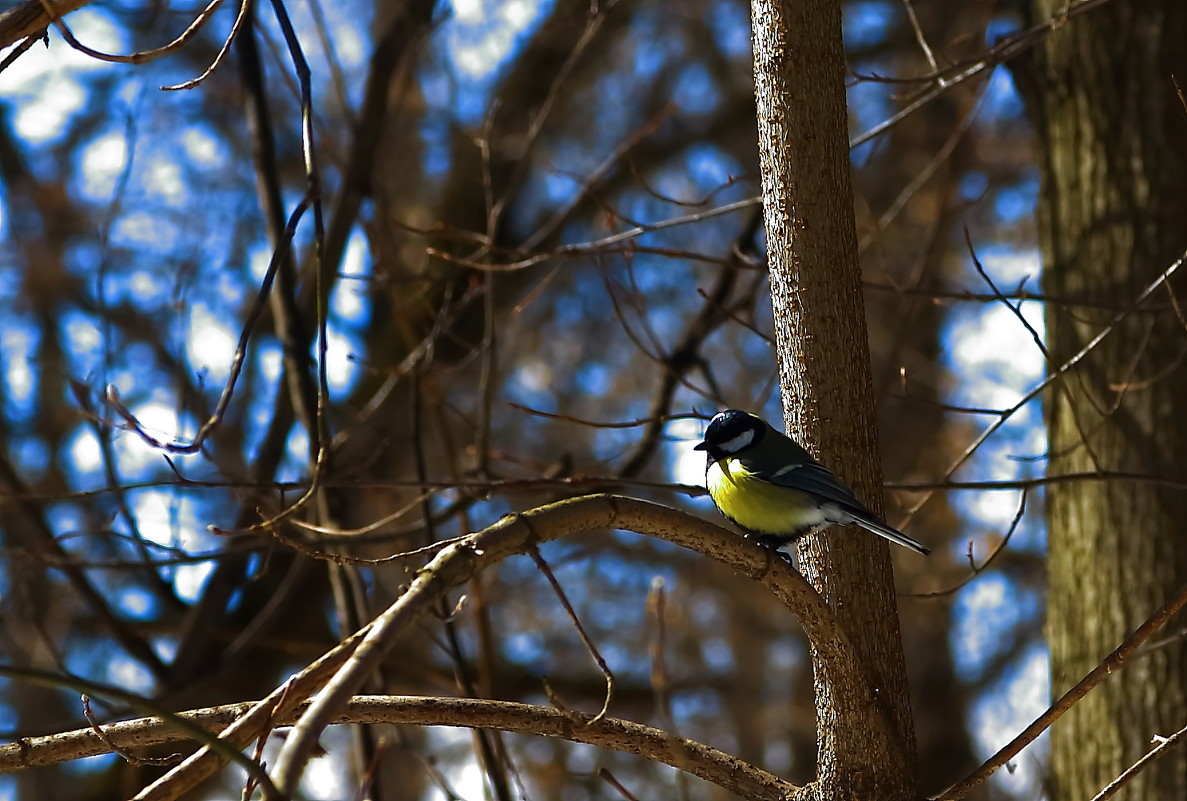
(140, 56)
(459, 562)
(32, 17)
(618, 735)
(515, 534)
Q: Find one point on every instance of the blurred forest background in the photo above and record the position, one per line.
(535, 229)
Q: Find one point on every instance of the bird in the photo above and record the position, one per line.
(771, 488)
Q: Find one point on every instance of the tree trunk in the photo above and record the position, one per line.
(825, 377)
(1113, 216)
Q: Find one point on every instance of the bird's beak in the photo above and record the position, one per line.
(701, 446)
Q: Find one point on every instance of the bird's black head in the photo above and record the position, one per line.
(731, 432)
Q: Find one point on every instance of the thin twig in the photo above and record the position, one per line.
(1037, 338)
(140, 56)
(919, 37)
(144, 705)
(1006, 49)
(111, 396)
(123, 753)
(590, 647)
(460, 563)
(595, 245)
(1054, 376)
(1110, 664)
(656, 604)
(977, 570)
(244, 6)
(1164, 744)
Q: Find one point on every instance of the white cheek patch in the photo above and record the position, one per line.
(739, 442)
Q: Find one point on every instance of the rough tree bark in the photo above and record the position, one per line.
(825, 376)
(1113, 215)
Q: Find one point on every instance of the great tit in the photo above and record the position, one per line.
(768, 485)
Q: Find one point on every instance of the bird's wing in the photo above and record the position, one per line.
(815, 479)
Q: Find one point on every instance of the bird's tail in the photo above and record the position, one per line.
(892, 534)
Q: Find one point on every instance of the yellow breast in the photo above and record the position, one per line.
(757, 505)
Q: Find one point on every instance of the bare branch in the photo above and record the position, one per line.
(1111, 664)
(513, 534)
(1055, 375)
(620, 735)
(1164, 744)
(32, 17)
(460, 562)
(138, 57)
(586, 640)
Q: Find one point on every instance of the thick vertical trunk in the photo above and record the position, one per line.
(1113, 215)
(825, 376)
